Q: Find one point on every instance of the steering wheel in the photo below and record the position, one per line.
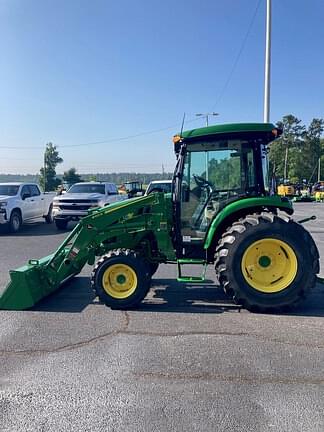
(203, 183)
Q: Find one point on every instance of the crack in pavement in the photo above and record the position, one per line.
(243, 379)
(124, 331)
(72, 346)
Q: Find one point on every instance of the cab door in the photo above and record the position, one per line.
(211, 179)
(26, 202)
(37, 209)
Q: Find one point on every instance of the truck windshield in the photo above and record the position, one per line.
(88, 188)
(160, 187)
(9, 190)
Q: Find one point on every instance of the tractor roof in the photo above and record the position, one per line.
(230, 128)
(264, 133)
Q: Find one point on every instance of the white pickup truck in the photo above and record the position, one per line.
(20, 202)
(75, 203)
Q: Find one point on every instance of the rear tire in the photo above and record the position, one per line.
(121, 279)
(266, 262)
(61, 224)
(15, 221)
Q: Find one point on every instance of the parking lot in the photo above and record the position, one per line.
(186, 360)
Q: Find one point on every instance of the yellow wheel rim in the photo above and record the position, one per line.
(269, 265)
(119, 281)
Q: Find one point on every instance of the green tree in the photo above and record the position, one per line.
(48, 179)
(70, 176)
(322, 158)
(285, 152)
(225, 173)
(312, 148)
(305, 156)
(294, 156)
(92, 177)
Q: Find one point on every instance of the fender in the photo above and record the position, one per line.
(245, 203)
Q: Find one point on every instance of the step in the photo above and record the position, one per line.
(192, 279)
(191, 261)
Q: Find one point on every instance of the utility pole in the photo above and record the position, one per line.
(286, 162)
(206, 115)
(266, 109)
(45, 170)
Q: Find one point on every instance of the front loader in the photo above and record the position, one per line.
(220, 212)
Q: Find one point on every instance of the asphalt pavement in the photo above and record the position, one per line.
(186, 360)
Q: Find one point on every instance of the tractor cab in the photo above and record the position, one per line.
(216, 166)
(134, 188)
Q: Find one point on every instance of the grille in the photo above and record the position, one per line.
(77, 201)
(74, 207)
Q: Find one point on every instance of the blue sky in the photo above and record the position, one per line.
(77, 72)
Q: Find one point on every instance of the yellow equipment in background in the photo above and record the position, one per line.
(286, 190)
(318, 189)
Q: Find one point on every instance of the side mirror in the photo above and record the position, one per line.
(25, 195)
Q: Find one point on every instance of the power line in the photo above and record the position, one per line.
(111, 140)
(224, 88)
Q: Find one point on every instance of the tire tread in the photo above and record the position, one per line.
(236, 231)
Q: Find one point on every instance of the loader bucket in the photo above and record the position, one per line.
(27, 286)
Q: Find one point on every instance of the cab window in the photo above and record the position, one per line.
(34, 190)
(25, 191)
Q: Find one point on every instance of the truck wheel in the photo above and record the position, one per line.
(49, 216)
(61, 224)
(15, 221)
(121, 279)
(266, 262)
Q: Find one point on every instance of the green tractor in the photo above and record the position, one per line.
(220, 212)
(134, 188)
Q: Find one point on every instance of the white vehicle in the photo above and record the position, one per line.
(159, 186)
(81, 197)
(20, 202)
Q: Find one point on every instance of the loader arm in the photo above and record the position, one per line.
(123, 224)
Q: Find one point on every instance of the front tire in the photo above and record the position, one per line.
(61, 224)
(15, 221)
(49, 216)
(121, 279)
(266, 262)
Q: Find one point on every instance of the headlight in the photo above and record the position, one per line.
(56, 204)
(3, 204)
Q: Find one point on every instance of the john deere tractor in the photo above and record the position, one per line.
(220, 212)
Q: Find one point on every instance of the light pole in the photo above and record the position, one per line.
(45, 170)
(206, 115)
(266, 108)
